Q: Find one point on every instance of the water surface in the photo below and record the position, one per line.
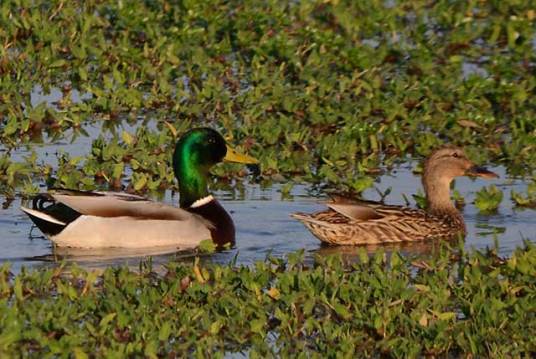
(264, 227)
(261, 214)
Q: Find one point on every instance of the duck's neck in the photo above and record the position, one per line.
(438, 200)
(438, 194)
(222, 229)
(192, 183)
(195, 198)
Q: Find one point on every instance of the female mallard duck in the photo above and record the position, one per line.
(106, 219)
(353, 222)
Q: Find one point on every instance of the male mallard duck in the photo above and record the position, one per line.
(353, 222)
(107, 219)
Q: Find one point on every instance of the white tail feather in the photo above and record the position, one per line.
(43, 216)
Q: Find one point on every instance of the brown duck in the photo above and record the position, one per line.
(354, 222)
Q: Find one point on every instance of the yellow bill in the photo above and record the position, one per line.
(233, 156)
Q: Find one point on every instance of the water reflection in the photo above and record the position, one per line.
(351, 252)
(107, 254)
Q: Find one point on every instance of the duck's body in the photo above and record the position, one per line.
(107, 219)
(363, 222)
(355, 222)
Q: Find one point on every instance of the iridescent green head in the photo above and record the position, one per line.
(195, 153)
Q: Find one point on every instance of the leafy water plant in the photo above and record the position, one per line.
(528, 200)
(322, 91)
(451, 303)
(488, 199)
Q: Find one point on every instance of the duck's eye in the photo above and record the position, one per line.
(455, 155)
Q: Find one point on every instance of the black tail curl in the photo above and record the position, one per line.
(45, 203)
(39, 201)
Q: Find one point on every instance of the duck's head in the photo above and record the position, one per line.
(449, 162)
(195, 153)
(442, 166)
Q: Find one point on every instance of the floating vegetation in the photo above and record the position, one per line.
(488, 199)
(321, 91)
(451, 303)
(528, 200)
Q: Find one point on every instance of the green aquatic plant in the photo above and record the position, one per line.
(14, 174)
(528, 200)
(488, 199)
(321, 91)
(451, 303)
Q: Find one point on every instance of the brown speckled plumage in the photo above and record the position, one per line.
(354, 222)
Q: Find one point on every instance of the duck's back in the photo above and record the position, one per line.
(363, 222)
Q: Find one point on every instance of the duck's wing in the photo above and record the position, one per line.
(132, 232)
(74, 193)
(365, 210)
(344, 210)
(116, 204)
(355, 212)
(366, 222)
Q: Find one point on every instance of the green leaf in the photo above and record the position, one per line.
(127, 138)
(105, 321)
(58, 63)
(79, 353)
(17, 289)
(140, 182)
(446, 316)
(342, 311)
(488, 199)
(165, 331)
(257, 325)
(215, 327)
(207, 246)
